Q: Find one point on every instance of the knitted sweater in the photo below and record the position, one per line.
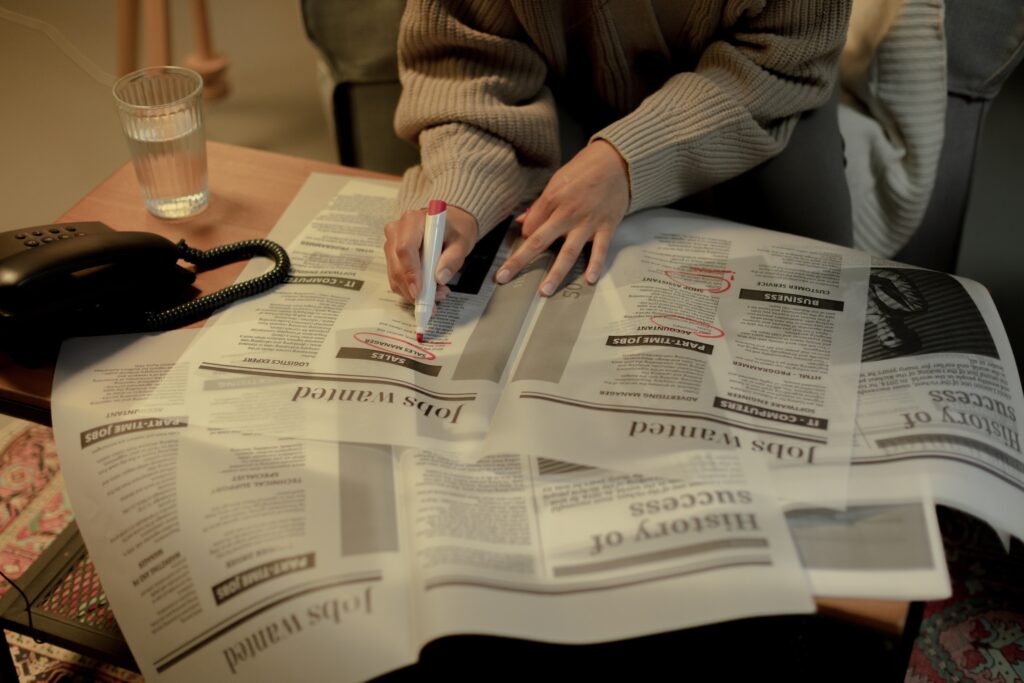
(690, 94)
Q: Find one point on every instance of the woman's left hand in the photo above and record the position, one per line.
(584, 201)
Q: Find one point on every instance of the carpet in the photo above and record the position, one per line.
(976, 636)
(33, 511)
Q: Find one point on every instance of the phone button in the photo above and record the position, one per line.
(47, 240)
(20, 236)
(32, 243)
(37, 233)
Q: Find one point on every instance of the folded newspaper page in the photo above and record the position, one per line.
(880, 551)
(246, 555)
(940, 399)
(702, 336)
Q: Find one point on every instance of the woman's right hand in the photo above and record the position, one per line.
(403, 241)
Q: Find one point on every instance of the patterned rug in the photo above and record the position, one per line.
(33, 511)
(976, 636)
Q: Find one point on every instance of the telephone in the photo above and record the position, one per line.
(80, 279)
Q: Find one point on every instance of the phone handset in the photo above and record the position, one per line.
(64, 280)
(88, 247)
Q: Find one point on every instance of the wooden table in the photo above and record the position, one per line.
(250, 189)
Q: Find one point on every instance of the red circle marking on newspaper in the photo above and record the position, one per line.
(679, 323)
(395, 345)
(710, 280)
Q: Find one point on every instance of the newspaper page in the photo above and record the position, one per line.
(334, 352)
(878, 551)
(940, 400)
(225, 555)
(251, 557)
(702, 336)
(543, 549)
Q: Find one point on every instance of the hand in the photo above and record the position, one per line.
(584, 201)
(403, 240)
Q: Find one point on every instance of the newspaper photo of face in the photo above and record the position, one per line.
(912, 311)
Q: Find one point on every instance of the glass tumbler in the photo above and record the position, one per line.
(161, 110)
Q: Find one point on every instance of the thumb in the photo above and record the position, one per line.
(460, 237)
(452, 257)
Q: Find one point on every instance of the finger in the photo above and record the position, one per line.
(391, 262)
(406, 256)
(452, 257)
(442, 293)
(528, 250)
(536, 216)
(598, 254)
(567, 256)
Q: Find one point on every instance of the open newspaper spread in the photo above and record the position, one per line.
(299, 481)
(227, 554)
(703, 335)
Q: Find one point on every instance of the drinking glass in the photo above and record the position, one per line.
(161, 111)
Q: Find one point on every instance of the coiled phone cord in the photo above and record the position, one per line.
(197, 309)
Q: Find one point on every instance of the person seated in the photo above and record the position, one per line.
(699, 103)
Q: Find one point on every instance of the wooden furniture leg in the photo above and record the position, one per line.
(127, 36)
(157, 29)
(205, 60)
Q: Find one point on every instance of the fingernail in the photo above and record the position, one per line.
(547, 289)
(414, 290)
(522, 217)
(503, 276)
(591, 278)
(444, 276)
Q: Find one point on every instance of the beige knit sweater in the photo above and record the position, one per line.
(689, 93)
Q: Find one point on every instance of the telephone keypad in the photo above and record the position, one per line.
(27, 239)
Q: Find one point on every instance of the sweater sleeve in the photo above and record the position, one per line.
(474, 100)
(738, 107)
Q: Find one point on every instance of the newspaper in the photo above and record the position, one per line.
(301, 482)
(940, 401)
(881, 551)
(702, 336)
(938, 419)
(251, 557)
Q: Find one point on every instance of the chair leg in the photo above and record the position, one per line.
(157, 29)
(127, 36)
(205, 60)
(344, 125)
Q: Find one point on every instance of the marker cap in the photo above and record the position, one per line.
(436, 206)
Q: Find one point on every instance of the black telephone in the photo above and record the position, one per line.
(79, 279)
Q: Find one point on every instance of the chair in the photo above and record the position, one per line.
(359, 78)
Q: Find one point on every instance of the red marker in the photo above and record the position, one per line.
(433, 238)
